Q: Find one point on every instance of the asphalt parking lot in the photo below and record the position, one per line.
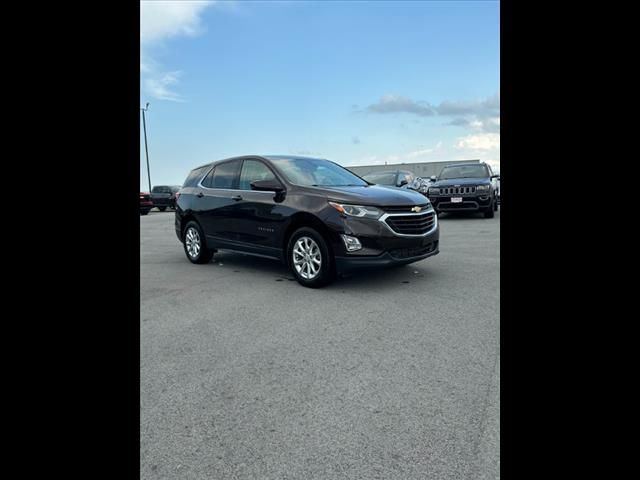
(389, 374)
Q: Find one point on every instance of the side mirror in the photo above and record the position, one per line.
(497, 177)
(433, 178)
(403, 183)
(267, 186)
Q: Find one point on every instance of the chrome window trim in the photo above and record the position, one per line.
(272, 192)
(387, 215)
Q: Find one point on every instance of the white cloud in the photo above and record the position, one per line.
(158, 86)
(159, 22)
(482, 141)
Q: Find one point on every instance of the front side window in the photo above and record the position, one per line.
(253, 170)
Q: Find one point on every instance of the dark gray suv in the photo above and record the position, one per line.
(465, 187)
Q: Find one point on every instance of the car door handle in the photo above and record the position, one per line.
(236, 198)
(200, 195)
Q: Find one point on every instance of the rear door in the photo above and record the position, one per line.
(215, 201)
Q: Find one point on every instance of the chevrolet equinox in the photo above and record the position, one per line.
(315, 216)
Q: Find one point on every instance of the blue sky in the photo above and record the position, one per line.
(354, 81)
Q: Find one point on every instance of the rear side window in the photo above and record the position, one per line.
(253, 170)
(225, 175)
(195, 176)
(208, 180)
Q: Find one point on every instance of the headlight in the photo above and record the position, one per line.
(357, 210)
(434, 191)
(483, 188)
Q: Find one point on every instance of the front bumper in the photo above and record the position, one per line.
(381, 246)
(470, 203)
(386, 259)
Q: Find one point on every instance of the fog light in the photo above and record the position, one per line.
(352, 243)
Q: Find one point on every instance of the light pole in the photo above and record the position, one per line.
(146, 149)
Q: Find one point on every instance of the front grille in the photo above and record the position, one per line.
(404, 208)
(457, 190)
(400, 253)
(411, 224)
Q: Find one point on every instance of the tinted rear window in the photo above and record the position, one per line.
(195, 176)
(226, 175)
(161, 189)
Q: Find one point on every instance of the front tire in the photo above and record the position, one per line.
(162, 209)
(144, 212)
(489, 212)
(195, 246)
(310, 259)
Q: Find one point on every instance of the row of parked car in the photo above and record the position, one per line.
(459, 187)
(160, 197)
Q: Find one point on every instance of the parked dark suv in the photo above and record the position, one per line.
(465, 187)
(314, 215)
(164, 196)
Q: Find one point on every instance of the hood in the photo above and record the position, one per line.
(373, 195)
(453, 182)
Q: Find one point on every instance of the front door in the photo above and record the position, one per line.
(258, 218)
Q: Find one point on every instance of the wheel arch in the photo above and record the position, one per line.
(305, 219)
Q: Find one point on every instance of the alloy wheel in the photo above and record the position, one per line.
(307, 258)
(192, 240)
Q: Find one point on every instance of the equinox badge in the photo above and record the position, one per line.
(416, 209)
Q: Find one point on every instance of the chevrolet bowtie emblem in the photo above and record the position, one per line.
(416, 209)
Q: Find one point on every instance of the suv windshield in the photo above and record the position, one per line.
(464, 171)
(313, 172)
(385, 178)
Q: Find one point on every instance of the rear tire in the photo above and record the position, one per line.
(195, 246)
(162, 209)
(310, 259)
(144, 212)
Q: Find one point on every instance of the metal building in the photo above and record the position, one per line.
(420, 169)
